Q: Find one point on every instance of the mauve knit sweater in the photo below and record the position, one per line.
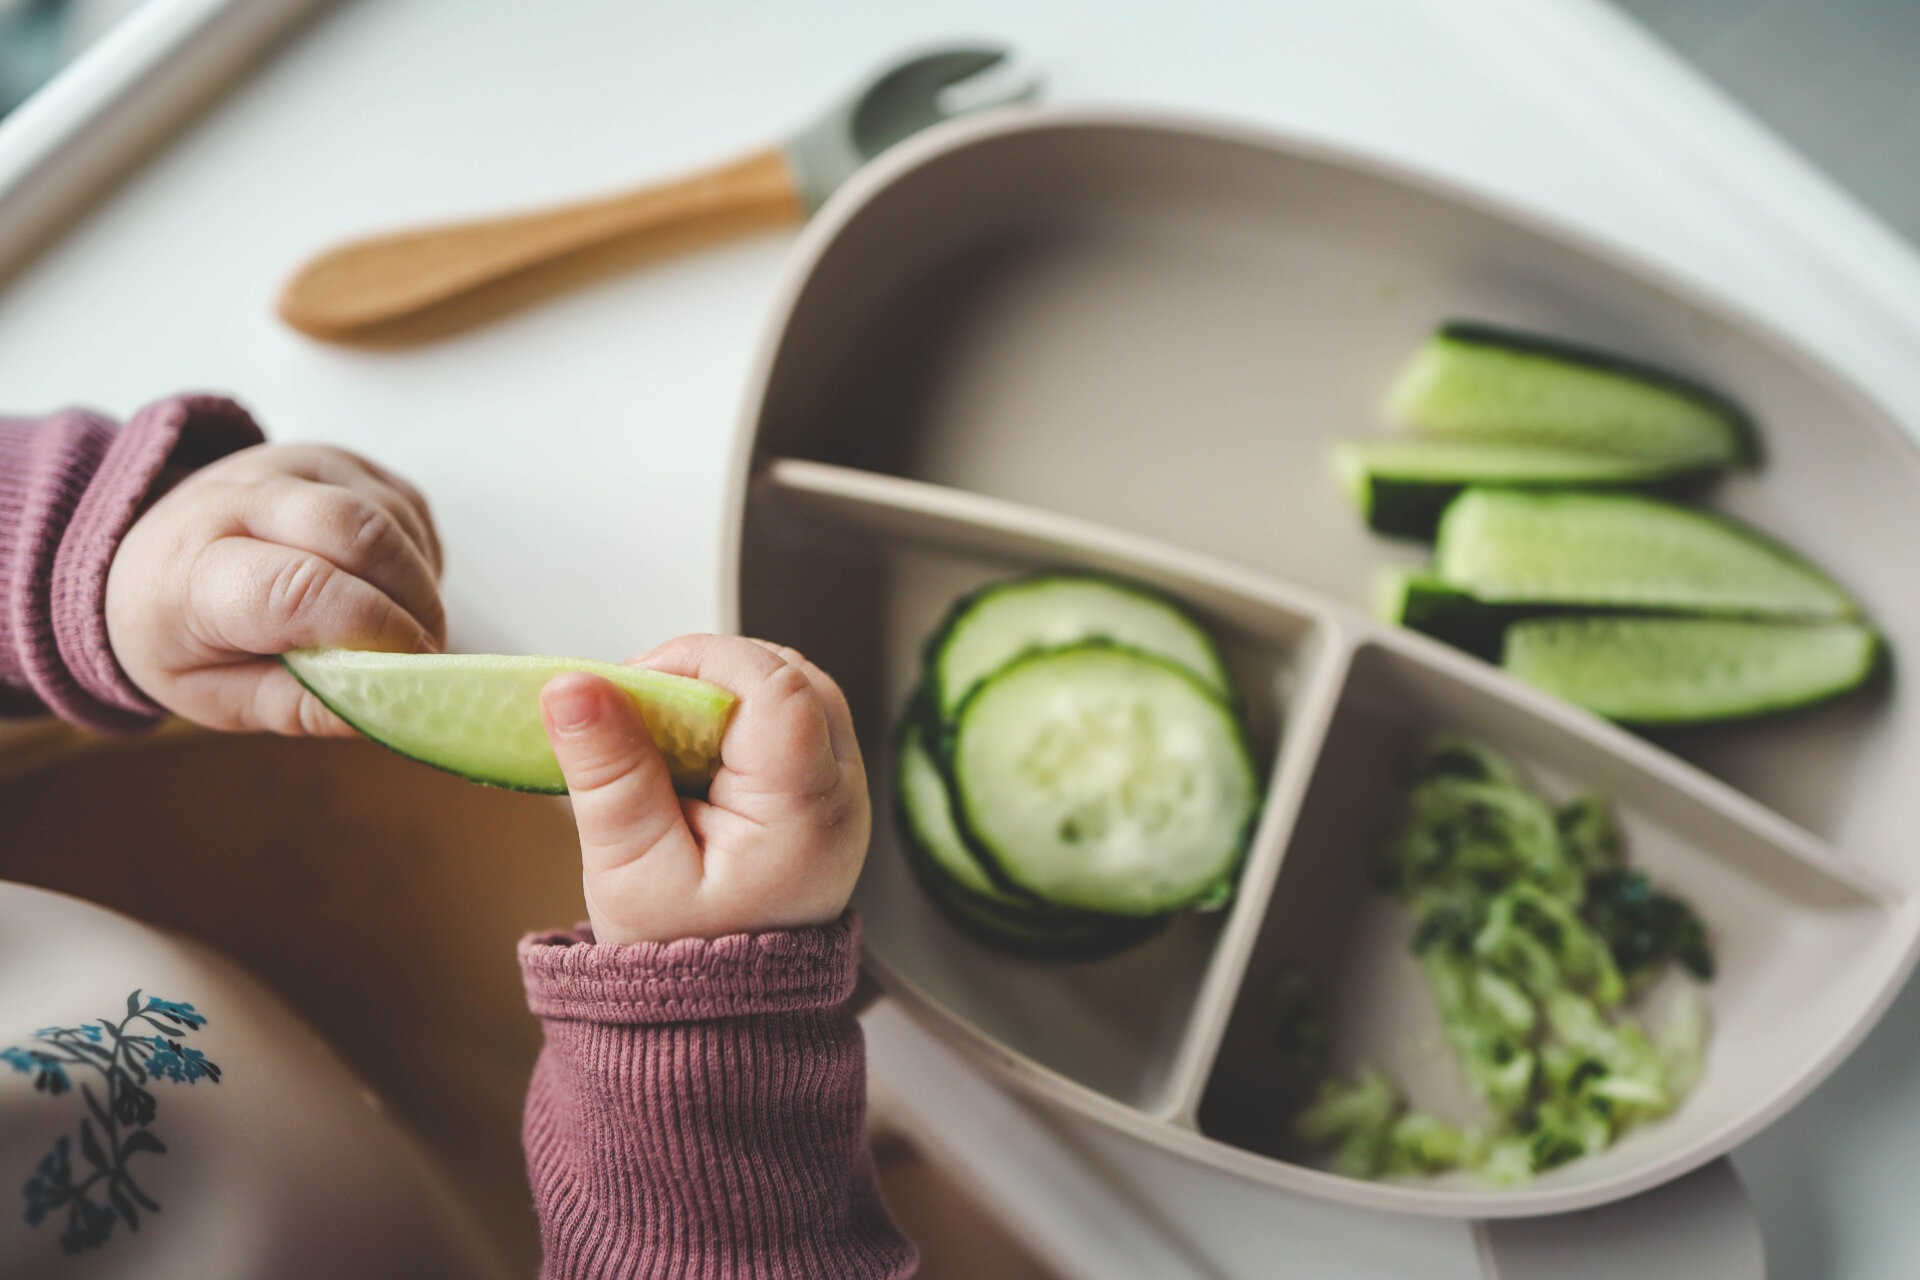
(699, 1108)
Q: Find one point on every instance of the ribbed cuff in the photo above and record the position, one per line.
(572, 978)
(45, 467)
(188, 431)
(70, 487)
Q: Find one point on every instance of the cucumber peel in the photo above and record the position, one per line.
(1426, 603)
(478, 715)
(1622, 551)
(1403, 484)
(1676, 671)
(985, 631)
(961, 890)
(925, 805)
(1483, 382)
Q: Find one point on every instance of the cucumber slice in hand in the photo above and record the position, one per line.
(1478, 381)
(1104, 779)
(992, 627)
(1673, 671)
(478, 715)
(1620, 551)
(1402, 485)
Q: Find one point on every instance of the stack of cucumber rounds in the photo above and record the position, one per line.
(1072, 768)
(1546, 474)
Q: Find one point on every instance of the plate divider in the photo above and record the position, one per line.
(1309, 720)
(961, 518)
(1319, 632)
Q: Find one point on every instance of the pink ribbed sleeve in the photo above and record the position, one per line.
(699, 1110)
(70, 486)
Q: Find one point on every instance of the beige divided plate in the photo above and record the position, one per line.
(1125, 342)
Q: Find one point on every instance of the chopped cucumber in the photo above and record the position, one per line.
(1402, 485)
(478, 715)
(953, 878)
(994, 626)
(1104, 779)
(1531, 938)
(1619, 551)
(1688, 670)
(1477, 381)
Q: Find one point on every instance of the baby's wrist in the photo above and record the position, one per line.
(578, 976)
(664, 931)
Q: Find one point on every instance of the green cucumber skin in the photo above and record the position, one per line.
(1570, 507)
(1412, 510)
(1038, 935)
(1216, 895)
(431, 764)
(931, 649)
(1080, 940)
(1480, 333)
(1524, 658)
(1698, 423)
(1425, 603)
(1403, 486)
(919, 720)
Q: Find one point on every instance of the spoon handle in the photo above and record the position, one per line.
(365, 284)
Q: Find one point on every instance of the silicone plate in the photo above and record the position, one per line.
(1127, 342)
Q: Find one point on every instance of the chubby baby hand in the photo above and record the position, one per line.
(779, 840)
(273, 548)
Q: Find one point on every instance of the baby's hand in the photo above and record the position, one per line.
(778, 842)
(273, 548)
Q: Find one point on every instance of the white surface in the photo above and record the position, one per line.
(70, 140)
(576, 453)
(1654, 1235)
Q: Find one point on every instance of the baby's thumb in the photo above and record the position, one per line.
(623, 798)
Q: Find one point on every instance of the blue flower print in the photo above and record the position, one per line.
(181, 1015)
(112, 1131)
(51, 1184)
(49, 1073)
(173, 1061)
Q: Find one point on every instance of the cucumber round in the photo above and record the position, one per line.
(926, 811)
(953, 879)
(992, 627)
(1620, 551)
(1482, 382)
(1036, 935)
(478, 715)
(1104, 779)
(1674, 671)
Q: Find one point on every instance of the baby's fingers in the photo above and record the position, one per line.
(623, 797)
(364, 535)
(779, 742)
(250, 597)
(840, 735)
